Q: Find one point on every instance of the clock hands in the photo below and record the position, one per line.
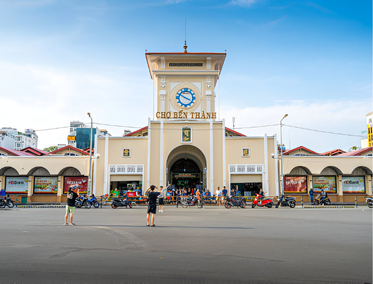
(185, 97)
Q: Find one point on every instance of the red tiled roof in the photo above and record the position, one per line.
(332, 152)
(134, 132)
(231, 130)
(68, 147)
(15, 152)
(35, 151)
(357, 152)
(299, 148)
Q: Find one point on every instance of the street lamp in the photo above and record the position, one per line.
(90, 159)
(282, 168)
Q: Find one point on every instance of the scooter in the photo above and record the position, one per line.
(266, 202)
(286, 201)
(369, 201)
(7, 202)
(319, 201)
(235, 201)
(82, 201)
(93, 201)
(117, 202)
(191, 201)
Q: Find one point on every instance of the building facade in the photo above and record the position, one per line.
(187, 144)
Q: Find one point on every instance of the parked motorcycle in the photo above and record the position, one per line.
(117, 202)
(93, 201)
(319, 201)
(286, 201)
(266, 202)
(235, 201)
(82, 201)
(369, 201)
(191, 201)
(7, 202)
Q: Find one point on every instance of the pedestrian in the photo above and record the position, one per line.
(152, 204)
(198, 195)
(116, 193)
(72, 194)
(311, 195)
(161, 197)
(224, 193)
(217, 196)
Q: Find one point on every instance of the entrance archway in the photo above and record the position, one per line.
(186, 167)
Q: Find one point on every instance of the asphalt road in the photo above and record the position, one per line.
(210, 245)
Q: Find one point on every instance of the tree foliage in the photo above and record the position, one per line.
(50, 149)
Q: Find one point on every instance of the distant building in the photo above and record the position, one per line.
(11, 138)
(71, 138)
(369, 130)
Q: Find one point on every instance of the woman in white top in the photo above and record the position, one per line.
(217, 195)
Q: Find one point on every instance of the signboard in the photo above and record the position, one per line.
(186, 175)
(353, 185)
(326, 183)
(245, 152)
(126, 152)
(16, 185)
(186, 134)
(45, 185)
(295, 184)
(81, 181)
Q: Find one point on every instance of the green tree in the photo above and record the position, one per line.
(50, 149)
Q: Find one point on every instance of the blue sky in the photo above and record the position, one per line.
(310, 59)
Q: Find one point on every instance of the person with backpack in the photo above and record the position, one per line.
(72, 194)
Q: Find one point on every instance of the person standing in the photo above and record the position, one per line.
(70, 207)
(224, 193)
(152, 205)
(311, 195)
(161, 197)
(217, 195)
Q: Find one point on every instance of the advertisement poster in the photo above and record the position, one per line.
(81, 181)
(353, 185)
(295, 184)
(325, 183)
(16, 185)
(45, 185)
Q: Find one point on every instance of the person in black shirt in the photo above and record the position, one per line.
(72, 194)
(152, 206)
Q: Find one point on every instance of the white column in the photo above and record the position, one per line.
(211, 158)
(276, 166)
(266, 186)
(148, 162)
(161, 156)
(106, 172)
(162, 95)
(95, 165)
(224, 165)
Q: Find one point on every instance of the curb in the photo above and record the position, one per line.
(329, 206)
(40, 206)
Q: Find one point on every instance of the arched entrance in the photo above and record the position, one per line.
(186, 167)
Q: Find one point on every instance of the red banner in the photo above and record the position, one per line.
(80, 181)
(295, 184)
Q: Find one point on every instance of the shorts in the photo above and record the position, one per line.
(70, 209)
(161, 201)
(152, 208)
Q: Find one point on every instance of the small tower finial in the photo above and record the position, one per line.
(185, 46)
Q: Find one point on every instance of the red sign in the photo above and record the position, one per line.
(132, 194)
(80, 181)
(295, 184)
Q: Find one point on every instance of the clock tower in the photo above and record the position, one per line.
(185, 83)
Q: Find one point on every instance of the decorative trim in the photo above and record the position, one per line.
(163, 82)
(245, 169)
(126, 169)
(163, 65)
(208, 82)
(208, 62)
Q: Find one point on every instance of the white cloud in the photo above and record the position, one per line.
(242, 3)
(342, 117)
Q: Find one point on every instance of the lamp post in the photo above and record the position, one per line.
(90, 159)
(282, 169)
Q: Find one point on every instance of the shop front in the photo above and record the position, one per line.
(17, 187)
(246, 185)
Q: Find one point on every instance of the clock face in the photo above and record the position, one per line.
(185, 97)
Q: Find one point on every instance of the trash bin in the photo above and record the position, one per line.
(24, 199)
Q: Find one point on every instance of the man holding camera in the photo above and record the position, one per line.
(72, 194)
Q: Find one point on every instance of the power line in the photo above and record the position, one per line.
(322, 131)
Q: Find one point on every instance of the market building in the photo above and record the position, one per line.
(187, 144)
